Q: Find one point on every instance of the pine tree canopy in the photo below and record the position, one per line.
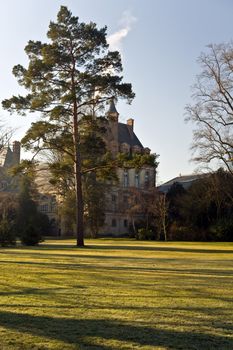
(74, 64)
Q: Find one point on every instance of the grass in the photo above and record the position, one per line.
(117, 294)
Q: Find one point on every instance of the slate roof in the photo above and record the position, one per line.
(127, 136)
(186, 181)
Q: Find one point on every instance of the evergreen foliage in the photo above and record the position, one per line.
(8, 206)
(7, 234)
(29, 222)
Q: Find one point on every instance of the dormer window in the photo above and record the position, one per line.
(136, 149)
(147, 150)
(124, 148)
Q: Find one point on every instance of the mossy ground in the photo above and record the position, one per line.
(117, 294)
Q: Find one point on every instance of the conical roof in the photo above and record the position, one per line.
(112, 107)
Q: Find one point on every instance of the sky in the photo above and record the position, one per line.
(159, 40)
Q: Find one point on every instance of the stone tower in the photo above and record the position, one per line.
(16, 152)
(112, 138)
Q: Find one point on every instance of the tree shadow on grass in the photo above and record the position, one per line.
(161, 249)
(111, 247)
(201, 273)
(138, 246)
(83, 332)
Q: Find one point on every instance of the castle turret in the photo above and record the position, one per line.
(112, 116)
(112, 112)
(16, 152)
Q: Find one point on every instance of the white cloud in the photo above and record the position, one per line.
(115, 39)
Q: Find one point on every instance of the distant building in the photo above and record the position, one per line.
(9, 157)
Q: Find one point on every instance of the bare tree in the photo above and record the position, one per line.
(212, 110)
(158, 207)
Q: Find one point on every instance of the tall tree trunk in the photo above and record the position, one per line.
(78, 181)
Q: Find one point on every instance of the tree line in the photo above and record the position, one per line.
(202, 212)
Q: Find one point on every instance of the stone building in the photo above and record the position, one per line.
(9, 157)
(120, 137)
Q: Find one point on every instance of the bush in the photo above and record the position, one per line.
(7, 236)
(222, 230)
(30, 235)
(145, 234)
(179, 232)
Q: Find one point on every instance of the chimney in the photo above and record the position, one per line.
(130, 122)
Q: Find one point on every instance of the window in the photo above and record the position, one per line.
(113, 198)
(3, 185)
(44, 208)
(53, 208)
(137, 180)
(114, 223)
(147, 179)
(126, 178)
(125, 223)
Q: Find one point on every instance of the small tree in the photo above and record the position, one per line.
(159, 208)
(7, 217)
(7, 235)
(94, 199)
(28, 219)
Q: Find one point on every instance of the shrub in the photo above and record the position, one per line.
(7, 236)
(179, 232)
(30, 235)
(145, 234)
(222, 230)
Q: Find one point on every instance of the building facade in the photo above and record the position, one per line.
(121, 137)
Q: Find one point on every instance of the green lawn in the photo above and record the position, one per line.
(117, 294)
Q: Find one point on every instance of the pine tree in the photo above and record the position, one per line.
(66, 79)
